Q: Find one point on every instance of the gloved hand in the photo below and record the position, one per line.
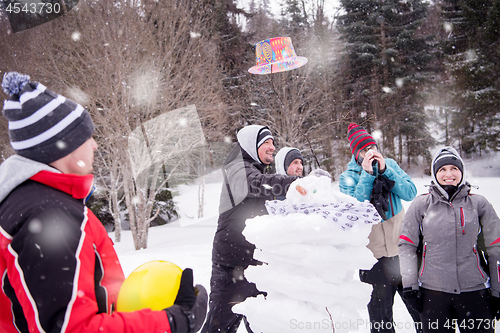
(320, 172)
(190, 306)
(413, 299)
(495, 307)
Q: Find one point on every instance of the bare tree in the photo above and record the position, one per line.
(129, 62)
(297, 104)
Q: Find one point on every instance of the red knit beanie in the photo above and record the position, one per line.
(359, 139)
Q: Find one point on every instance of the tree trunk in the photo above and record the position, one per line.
(115, 211)
(131, 210)
(201, 197)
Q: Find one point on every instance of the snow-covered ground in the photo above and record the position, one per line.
(187, 242)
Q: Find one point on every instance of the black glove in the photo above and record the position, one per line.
(495, 307)
(413, 299)
(381, 191)
(190, 307)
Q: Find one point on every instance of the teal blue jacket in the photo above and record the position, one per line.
(358, 183)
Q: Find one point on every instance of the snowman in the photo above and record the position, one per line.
(317, 195)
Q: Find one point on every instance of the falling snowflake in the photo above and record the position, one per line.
(193, 34)
(61, 144)
(76, 36)
(136, 200)
(35, 226)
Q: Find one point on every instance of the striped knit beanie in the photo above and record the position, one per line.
(359, 139)
(263, 136)
(43, 126)
(447, 156)
(251, 137)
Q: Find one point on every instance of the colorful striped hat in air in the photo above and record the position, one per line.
(276, 55)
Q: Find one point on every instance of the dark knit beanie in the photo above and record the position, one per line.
(447, 157)
(291, 156)
(359, 139)
(264, 134)
(43, 126)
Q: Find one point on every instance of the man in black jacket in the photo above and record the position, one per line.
(246, 188)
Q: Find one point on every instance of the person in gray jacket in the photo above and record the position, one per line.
(451, 289)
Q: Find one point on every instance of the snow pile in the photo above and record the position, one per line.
(313, 244)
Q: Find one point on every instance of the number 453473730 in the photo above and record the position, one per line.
(33, 8)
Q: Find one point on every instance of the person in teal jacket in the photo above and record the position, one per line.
(359, 184)
(371, 177)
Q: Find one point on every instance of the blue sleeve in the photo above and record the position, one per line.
(404, 187)
(359, 187)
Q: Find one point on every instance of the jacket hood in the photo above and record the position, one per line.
(16, 170)
(279, 160)
(438, 191)
(353, 165)
(452, 151)
(247, 138)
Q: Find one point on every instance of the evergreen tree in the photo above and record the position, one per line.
(236, 56)
(260, 22)
(472, 60)
(387, 68)
(294, 16)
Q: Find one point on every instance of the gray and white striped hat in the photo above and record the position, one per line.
(43, 126)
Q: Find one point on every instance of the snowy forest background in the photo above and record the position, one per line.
(416, 74)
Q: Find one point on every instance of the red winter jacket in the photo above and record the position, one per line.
(59, 271)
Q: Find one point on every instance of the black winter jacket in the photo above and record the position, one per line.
(245, 189)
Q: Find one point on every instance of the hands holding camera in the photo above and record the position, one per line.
(371, 158)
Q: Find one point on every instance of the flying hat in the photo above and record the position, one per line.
(276, 55)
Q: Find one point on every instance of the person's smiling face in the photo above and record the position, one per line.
(266, 151)
(449, 175)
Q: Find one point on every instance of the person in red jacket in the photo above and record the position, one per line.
(58, 268)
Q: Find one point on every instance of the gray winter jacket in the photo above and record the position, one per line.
(450, 261)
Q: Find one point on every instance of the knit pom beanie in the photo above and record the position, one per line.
(447, 156)
(43, 126)
(359, 139)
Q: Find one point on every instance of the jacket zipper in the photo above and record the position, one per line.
(498, 270)
(478, 261)
(390, 200)
(462, 220)
(424, 251)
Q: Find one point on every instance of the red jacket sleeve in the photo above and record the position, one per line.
(66, 275)
(98, 242)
